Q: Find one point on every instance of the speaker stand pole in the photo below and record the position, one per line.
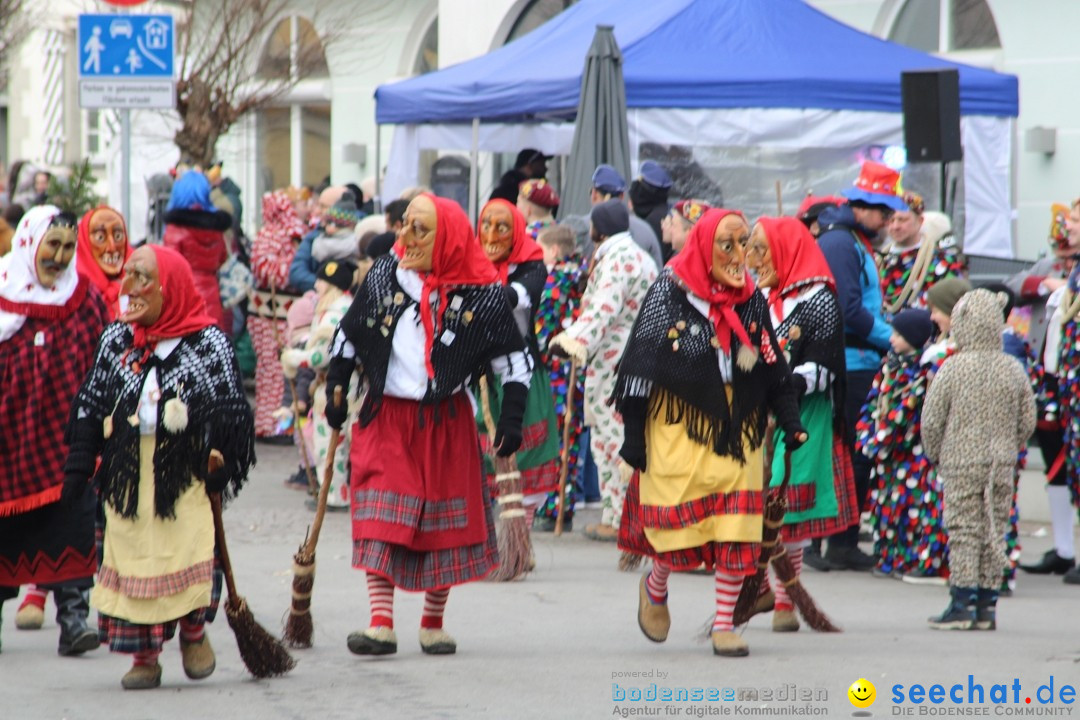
(944, 186)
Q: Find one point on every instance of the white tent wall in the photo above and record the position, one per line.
(773, 135)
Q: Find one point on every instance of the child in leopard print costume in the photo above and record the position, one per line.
(974, 436)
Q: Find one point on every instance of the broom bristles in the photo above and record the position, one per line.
(515, 544)
(628, 561)
(748, 597)
(262, 653)
(800, 597)
(299, 628)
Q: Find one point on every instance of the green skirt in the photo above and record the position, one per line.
(538, 457)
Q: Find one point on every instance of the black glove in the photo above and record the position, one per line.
(511, 296)
(75, 486)
(798, 384)
(338, 375)
(84, 437)
(508, 431)
(792, 433)
(634, 413)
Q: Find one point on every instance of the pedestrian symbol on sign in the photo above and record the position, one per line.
(93, 49)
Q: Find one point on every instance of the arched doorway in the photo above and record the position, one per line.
(945, 26)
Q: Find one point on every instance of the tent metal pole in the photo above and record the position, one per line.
(378, 165)
(474, 157)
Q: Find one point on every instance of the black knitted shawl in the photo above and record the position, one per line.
(478, 325)
(202, 370)
(819, 339)
(672, 347)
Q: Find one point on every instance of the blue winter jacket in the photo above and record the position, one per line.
(302, 271)
(858, 289)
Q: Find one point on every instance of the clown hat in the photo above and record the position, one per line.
(877, 185)
(539, 192)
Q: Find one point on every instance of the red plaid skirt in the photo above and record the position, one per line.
(847, 506)
(733, 558)
(421, 510)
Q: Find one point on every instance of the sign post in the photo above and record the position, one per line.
(126, 61)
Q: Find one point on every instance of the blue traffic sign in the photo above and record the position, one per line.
(126, 46)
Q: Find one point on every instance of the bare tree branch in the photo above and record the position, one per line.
(223, 42)
(16, 22)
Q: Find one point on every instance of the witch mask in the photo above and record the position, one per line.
(418, 235)
(729, 251)
(497, 232)
(108, 241)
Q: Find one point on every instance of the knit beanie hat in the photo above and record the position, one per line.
(943, 295)
(344, 213)
(339, 273)
(610, 217)
(914, 326)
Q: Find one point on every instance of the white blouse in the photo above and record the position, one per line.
(151, 391)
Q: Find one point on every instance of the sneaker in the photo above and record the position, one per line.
(297, 481)
(1072, 576)
(960, 614)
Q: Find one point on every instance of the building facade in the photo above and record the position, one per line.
(326, 124)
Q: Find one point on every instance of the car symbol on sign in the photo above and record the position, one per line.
(121, 27)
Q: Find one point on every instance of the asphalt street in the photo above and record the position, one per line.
(563, 643)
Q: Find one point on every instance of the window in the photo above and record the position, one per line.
(427, 59)
(945, 26)
(293, 35)
(93, 132)
(535, 14)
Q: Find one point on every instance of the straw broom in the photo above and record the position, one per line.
(568, 419)
(261, 652)
(515, 545)
(773, 552)
(299, 627)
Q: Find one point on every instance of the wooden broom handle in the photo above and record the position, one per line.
(485, 407)
(223, 549)
(328, 475)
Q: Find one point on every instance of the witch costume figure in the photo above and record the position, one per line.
(103, 248)
(50, 321)
(519, 261)
(795, 278)
(700, 374)
(430, 317)
(164, 409)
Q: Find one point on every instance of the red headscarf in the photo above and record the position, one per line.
(693, 265)
(796, 257)
(523, 249)
(457, 259)
(182, 308)
(88, 264)
(273, 249)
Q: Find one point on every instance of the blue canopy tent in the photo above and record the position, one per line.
(711, 73)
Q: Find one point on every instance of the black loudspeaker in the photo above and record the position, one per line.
(931, 100)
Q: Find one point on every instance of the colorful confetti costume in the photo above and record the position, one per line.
(1069, 381)
(560, 305)
(905, 495)
(523, 275)
(974, 438)
(316, 355)
(907, 274)
(619, 279)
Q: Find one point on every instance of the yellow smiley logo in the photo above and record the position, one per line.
(862, 693)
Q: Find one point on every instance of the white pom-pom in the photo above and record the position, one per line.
(175, 418)
(746, 358)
